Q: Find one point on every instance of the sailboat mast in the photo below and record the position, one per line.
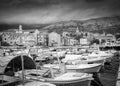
(22, 60)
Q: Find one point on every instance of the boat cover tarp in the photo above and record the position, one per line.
(14, 63)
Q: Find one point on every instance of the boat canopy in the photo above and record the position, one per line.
(14, 64)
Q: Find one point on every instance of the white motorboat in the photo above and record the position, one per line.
(79, 67)
(100, 54)
(69, 78)
(94, 57)
(82, 59)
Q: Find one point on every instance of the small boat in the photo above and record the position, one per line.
(58, 78)
(54, 76)
(101, 54)
(90, 60)
(88, 68)
(94, 57)
(79, 59)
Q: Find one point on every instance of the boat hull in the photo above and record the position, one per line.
(80, 83)
(87, 70)
(72, 79)
(69, 78)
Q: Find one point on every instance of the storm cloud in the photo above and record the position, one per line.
(48, 11)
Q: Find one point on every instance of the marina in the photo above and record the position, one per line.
(17, 68)
(64, 44)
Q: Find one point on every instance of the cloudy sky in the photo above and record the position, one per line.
(49, 11)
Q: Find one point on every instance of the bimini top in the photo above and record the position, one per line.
(13, 63)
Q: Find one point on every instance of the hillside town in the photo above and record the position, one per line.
(36, 37)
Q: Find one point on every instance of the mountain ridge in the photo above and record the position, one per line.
(96, 24)
(103, 23)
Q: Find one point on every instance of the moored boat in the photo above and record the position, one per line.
(88, 68)
(69, 78)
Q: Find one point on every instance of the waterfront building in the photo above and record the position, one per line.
(20, 36)
(68, 41)
(29, 39)
(84, 41)
(73, 41)
(11, 38)
(65, 34)
(105, 40)
(42, 38)
(65, 40)
(54, 39)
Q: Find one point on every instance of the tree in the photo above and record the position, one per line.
(117, 35)
(5, 44)
(95, 41)
(77, 37)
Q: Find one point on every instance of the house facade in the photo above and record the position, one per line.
(54, 39)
